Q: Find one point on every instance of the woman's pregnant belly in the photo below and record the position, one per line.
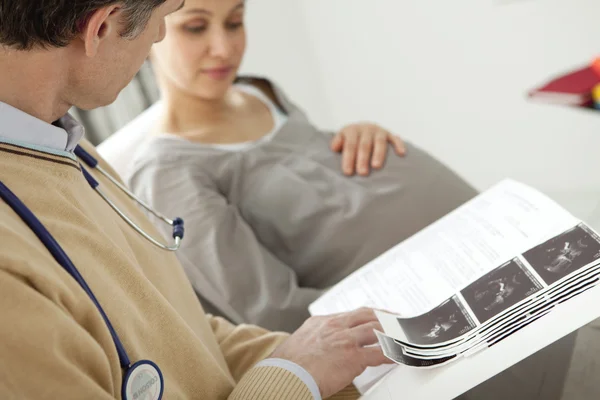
(326, 225)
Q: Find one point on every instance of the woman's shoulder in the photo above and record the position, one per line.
(119, 148)
(138, 147)
(163, 151)
(161, 161)
(267, 87)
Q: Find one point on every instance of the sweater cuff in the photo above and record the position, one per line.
(297, 370)
(271, 383)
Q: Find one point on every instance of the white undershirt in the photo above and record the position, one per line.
(279, 119)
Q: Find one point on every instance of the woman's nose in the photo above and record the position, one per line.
(220, 45)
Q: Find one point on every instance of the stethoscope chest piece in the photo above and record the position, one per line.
(143, 381)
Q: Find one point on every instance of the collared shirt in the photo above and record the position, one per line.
(19, 127)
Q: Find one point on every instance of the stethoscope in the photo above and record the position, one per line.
(177, 223)
(143, 379)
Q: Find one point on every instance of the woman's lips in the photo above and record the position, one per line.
(218, 73)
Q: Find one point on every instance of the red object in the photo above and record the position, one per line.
(596, 66)
(573, 89)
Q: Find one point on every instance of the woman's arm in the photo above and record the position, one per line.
(364, 146)
(225, 262)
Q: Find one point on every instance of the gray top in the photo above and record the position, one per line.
(271, 226)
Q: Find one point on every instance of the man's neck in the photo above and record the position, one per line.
(33, 82)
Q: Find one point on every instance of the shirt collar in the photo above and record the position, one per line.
(16, 125)
(74, 129)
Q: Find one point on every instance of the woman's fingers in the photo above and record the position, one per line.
(365, 150)
(365, 146)
(380, 149)
(337, 143)
(398, 144)
(349, 152)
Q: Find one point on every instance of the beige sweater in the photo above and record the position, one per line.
(54, 343)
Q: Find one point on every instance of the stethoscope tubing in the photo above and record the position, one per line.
(62, 259)
(177, 223)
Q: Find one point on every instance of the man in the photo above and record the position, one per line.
(55, 342)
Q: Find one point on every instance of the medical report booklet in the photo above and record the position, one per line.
(499, 264)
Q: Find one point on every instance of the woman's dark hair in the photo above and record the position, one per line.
(25, 24)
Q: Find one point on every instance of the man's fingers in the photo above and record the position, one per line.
(349, 152)
(373, 356)
(365, 148)
(359, 317)
(380, 149)
(365, 334)
(386, 311)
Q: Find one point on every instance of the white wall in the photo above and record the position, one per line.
(451, 76)
(278, 48)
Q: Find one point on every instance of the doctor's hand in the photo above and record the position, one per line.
(333, 348)
(364, 146)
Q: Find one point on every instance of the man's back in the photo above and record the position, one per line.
(64, 348)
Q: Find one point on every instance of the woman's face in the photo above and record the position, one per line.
(204, 47)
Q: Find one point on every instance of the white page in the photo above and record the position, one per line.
(371, 376)
(428, 268)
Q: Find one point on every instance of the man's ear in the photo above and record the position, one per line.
(100, 25)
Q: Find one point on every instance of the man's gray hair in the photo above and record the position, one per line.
(25, 24)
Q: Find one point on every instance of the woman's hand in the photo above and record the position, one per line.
(364, 146)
